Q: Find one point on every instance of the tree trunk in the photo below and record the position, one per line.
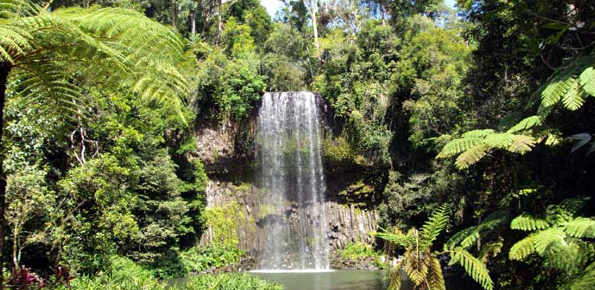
(219, 21)
(174, 13)
(193, 21)
(4, 70)
(314, 25)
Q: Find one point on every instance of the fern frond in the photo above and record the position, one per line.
(481, 133)
(526, 124)
(587, 81)
(474, 267)
(526, 222)
(542, 240)
(521, 144)
(416, 267)
(471, 156)
(397, 239)
(574, 98)
(465, 238)
(490, 250)
(522, 249)
(581, 227)
(584, 281)
(435, 277)
(434, 225)
(554, 91)
(457, 146)
(499, 140)
(13, 41)
(395, 275)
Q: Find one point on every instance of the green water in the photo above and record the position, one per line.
(336, 280)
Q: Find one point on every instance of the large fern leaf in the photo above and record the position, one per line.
(573, 98)
(542, 240)
(471, 156)
(458, 146)
(581, 227)
(435, 224)
(526, 124)
(435, 277)
(526, 222)
(473, 266)
(522, 249)
(521, 144)
(584, 281)
(587, 80)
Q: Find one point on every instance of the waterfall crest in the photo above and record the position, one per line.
(291, 182)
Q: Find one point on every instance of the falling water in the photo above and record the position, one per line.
(292, 182)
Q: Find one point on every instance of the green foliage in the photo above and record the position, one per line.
(359, 250)
(198, 259)
(223, 225)
(123, 274)
(230, 282)
(562, 241)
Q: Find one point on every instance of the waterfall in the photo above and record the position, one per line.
(291, 182)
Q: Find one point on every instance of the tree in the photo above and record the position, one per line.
(47, 57)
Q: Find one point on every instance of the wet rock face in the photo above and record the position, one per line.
(346, 223)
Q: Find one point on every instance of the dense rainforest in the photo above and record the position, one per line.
(472, 126)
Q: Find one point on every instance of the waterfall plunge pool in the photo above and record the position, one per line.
(319, 279)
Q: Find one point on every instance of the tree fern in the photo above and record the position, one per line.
(570, 86)
(458, 146)
(420, 264)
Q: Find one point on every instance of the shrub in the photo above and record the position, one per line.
(359, 250)
(200, 259)
(123, 274)
(230, 282)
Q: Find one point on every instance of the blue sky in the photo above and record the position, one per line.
(273, 5)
